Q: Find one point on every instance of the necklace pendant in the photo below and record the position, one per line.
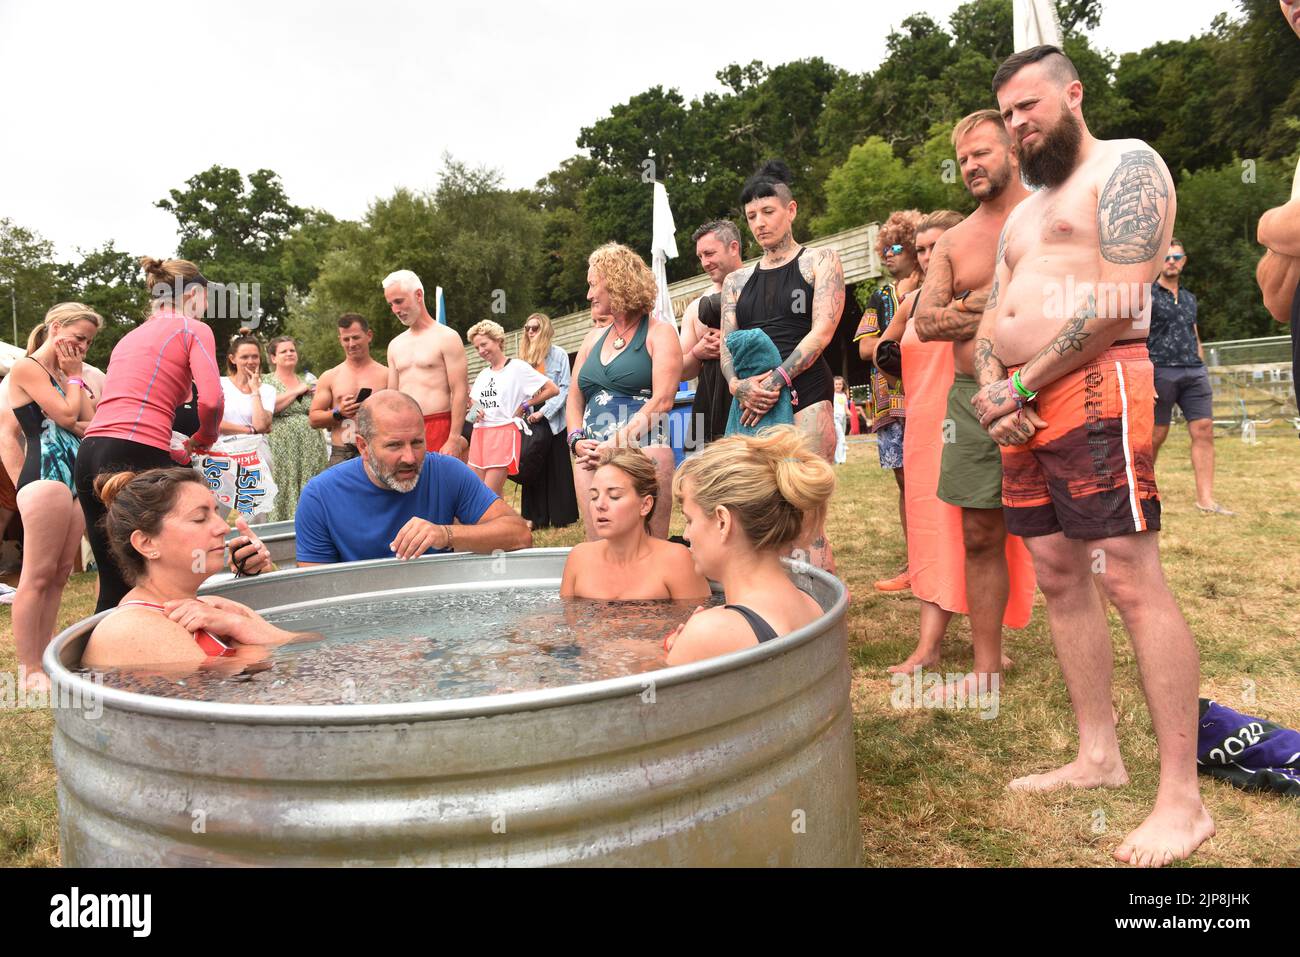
(619, 343)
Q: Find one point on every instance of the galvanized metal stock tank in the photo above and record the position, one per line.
(742, 760)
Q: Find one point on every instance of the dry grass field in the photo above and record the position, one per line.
(932, 782)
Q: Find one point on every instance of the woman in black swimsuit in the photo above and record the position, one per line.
(796, 296)
(53, 404)
(746, 499)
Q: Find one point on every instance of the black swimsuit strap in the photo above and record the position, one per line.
(762, 630)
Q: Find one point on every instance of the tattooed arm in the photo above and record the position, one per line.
(1135, 219)
(938, 315)
(827, 307)
(754, 398)
(731, 287)
(988, 367)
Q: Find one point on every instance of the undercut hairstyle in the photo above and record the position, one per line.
(773, 178)
(1175, 241)
(773, 484)
(349, 319)
(138, 501)
(900, 228)
(968, 123)
(486, 327)
(724, 229)
(939, 219)
(1061, 66)
(404, 279)
(636, 465)
(629, 281)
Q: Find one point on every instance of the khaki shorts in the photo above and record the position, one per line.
(970, 474)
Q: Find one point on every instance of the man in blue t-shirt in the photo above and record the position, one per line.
(398, 500)
(1180, 374)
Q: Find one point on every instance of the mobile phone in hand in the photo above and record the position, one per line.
(363, 395)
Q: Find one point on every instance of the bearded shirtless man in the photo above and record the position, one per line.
(335, 404)
(797, 300)
(952, 302)
(428, 363)
(1067, 318)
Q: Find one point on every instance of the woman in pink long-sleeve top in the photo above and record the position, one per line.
(150, 374)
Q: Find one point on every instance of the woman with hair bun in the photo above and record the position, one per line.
(158, 524)
(625, 563)
(746, 500)
(152, 372)
(796, 296)
(53, 403)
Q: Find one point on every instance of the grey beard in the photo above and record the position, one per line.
(388, 479)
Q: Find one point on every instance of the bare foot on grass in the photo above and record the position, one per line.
(921, 658)
(1170, 833)
(1076, 774)
(37, 681)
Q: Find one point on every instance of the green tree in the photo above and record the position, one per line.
(470, 236)
(1218, 211)
(109, 281)
(29, 279)
(867, 187)
(236, 235)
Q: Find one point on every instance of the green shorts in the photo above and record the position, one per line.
(970, 474)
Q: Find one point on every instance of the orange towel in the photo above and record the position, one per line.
(936, 554)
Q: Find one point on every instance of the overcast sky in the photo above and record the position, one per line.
(349, 100)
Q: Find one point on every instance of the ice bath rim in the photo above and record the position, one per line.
(478, 706)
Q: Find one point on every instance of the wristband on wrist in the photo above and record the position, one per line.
(1019, 387)
(338, 416)
(794, 396)
(574, 438)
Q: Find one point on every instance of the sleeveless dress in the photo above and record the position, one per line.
(297, 451)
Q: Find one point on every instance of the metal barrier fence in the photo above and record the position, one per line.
(1236, 352)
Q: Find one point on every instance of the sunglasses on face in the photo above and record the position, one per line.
(895, 249)
(1175, 257)
(533, 328)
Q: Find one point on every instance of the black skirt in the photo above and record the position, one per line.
(549, 501)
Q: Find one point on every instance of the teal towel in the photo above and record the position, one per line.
(753, 353)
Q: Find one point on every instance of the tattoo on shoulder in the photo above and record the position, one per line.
(992, 301)
(1002, 243)
(1132, 209)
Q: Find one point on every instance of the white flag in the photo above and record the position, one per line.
(1034, 23)
(663, 246)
